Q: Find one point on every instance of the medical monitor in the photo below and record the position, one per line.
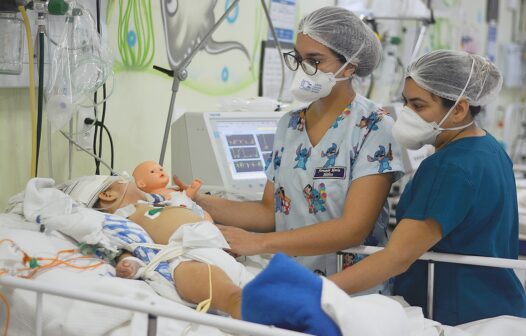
(228, 150)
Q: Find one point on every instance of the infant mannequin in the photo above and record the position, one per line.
(150, 177)
(190, 276)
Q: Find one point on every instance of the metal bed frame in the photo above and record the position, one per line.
(151, 308)
(154, 311)
(433, 257)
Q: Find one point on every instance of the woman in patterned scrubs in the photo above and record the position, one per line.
(333, 161)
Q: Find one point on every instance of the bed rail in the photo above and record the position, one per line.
(151, 308)
(433, 257)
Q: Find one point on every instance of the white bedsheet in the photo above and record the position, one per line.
(69, 317)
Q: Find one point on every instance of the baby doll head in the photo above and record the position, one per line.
(150, 176)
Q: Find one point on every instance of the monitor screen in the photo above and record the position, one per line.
(247, 145)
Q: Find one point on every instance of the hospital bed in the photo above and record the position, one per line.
(66, 301)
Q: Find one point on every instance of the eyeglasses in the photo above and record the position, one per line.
(293, 61)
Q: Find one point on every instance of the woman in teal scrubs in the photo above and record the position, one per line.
(461, 200)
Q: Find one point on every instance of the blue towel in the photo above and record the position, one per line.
(287, 295)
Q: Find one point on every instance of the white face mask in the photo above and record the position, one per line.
(306, 88)
(413, 132)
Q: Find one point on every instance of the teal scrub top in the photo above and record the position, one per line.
(468, 187)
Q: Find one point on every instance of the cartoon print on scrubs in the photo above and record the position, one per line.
(310, 201)
(315, 198)
(383, 158)
(302, 156)
(281, 201)
(370, 122)
(342, 116)
(297, 120)
(331, 154)
(277, 158)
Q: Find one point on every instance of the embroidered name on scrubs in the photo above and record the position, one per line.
(329, 173)
(311, 181)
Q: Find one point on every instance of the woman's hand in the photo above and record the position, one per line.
(242, 242)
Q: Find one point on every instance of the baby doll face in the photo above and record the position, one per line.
(150, 175)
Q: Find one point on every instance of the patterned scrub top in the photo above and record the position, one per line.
(311, 182)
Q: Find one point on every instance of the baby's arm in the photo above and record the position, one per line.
(191, 190)
(127, 266)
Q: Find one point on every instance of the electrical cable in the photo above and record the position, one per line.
(88, 152)
(32, 95)
(103, 117)
(36, 265)
(111, 143)
(40, 92)
(89, 121)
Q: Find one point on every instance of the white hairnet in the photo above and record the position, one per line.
(445, 73)
(344, 32)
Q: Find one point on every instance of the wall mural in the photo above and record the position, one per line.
(136, 39)
(226, 64)
(195, 19)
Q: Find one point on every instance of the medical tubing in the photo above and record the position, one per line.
(89, 121)
(113, 172)
(282, 62)
(49, 151)
(40, 91)
(32, 98)
(97, 124)
(70, 151)
(97, 163)
(104, 98)
(7, 311)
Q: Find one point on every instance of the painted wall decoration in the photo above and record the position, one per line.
(136, 38)
(144, 33)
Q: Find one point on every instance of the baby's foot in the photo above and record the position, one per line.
(127, 268)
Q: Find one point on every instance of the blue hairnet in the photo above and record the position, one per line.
(445, 73)
(344, 32)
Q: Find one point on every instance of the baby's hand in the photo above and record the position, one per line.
(127, 268)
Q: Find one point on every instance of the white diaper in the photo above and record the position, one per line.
(201, 242)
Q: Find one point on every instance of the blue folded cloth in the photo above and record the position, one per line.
(287, 295)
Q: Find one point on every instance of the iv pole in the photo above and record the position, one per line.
(180, 74)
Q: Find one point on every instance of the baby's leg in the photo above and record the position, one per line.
(192, 284)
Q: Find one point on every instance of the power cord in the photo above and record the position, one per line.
(103, 117)
(90, 121)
